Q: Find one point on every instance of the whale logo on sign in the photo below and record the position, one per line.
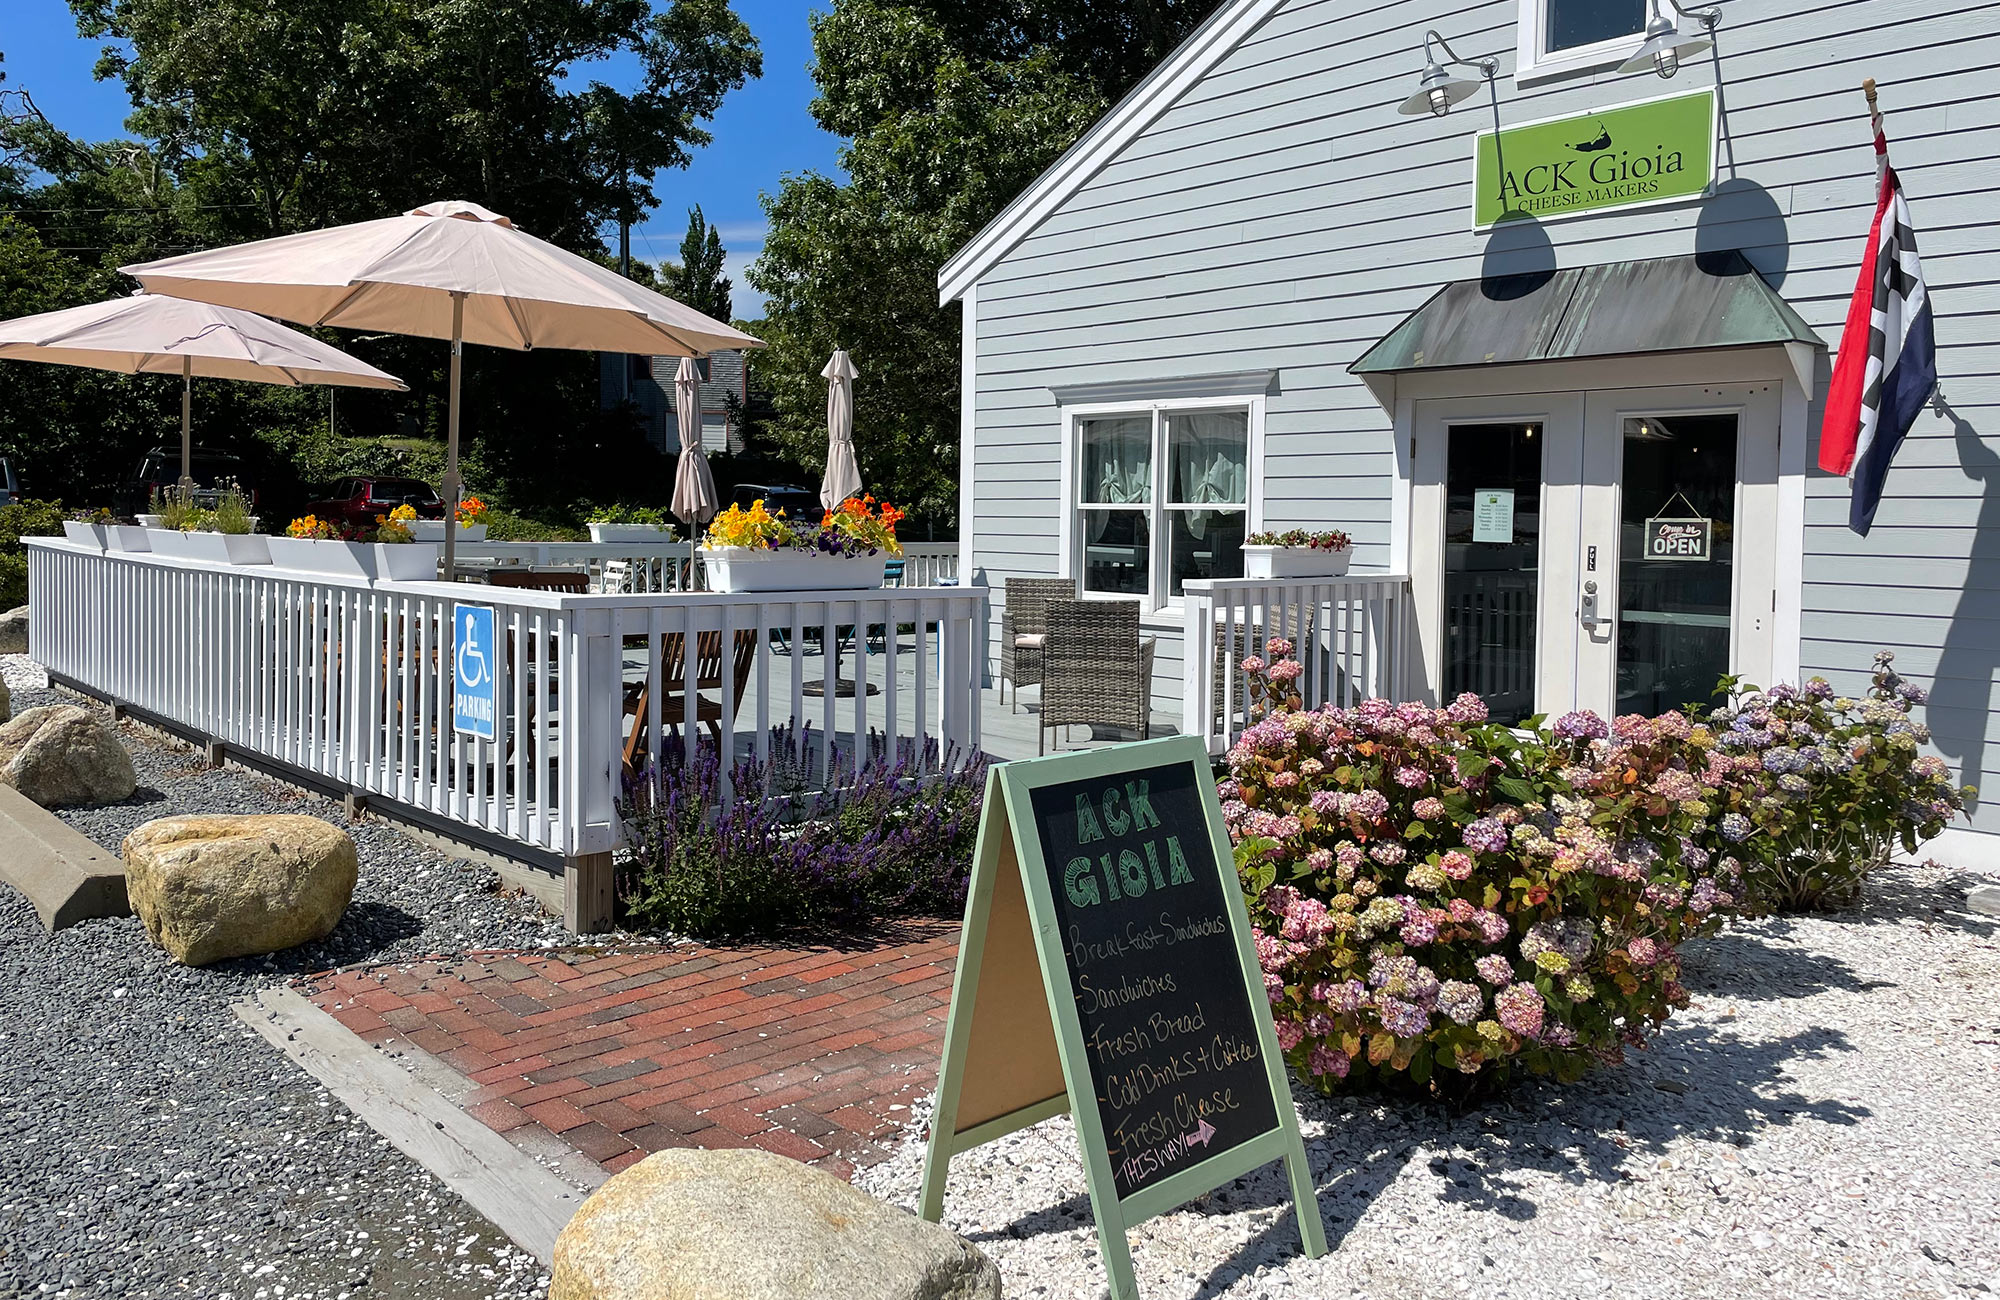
(475, 692)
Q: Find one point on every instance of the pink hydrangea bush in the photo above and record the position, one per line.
(1434, 902)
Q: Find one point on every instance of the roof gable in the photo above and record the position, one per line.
(1157, 91)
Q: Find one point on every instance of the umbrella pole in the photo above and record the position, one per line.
(187, 425)
(451, 478)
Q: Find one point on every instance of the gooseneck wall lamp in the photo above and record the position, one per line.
(1439, 90)
(1664, 47)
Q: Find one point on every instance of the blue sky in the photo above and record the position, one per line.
(762, 133)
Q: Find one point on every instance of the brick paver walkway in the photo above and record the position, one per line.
(811, 1052)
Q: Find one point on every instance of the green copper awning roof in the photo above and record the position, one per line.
(1669, 304)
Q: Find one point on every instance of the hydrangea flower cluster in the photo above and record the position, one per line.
(1438, 897)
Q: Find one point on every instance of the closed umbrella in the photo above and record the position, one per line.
(145, 334)
(843, 476)
(694, 486)
(448, 270)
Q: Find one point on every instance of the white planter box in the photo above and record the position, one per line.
(148, 521)
(88, 534)
(1295, 562)
(127, 537)
(631, 532)
(212, 548)
(432, 530)
(367, 561)
(749, 568)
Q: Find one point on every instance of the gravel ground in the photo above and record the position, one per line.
(152, 1145)
(1821, 1123)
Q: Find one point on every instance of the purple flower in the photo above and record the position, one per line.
(1412, 778)
(1419, 930)
(1328, 1061)
(1643, 951)
(1345, 997)
(1456, 865)
(1405, 1019)
(1735, 827)
(1461, 1001)
(1389, 853)
(1467, 708)
(1487, 835)
(1289, 1034)
(1495, 969)
(1428, 808)
(1581, 725)
(1369, 805)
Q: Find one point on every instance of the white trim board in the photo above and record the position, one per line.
(1158, 91)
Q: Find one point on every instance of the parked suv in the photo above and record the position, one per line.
(160, 469)
(799, 504)
(354, 502)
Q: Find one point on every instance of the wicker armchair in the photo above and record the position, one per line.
(1024, 627)
(1096, 668)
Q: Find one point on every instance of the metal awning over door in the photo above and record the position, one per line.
(1668, 304)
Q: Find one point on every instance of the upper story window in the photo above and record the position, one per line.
(1159, 494)
(1561, 36)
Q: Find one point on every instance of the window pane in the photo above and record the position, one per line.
(1492, 563)
(1117, 459)
(1204, 544)
(1571, 23)
(1117, 551)
(1208, 455)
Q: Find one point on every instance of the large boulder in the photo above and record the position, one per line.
(750, 1225)
(213, 887)
(59, 756)
(14, 631)
(6, 702)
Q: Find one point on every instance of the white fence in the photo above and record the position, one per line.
(1351, 636)
(352, 682)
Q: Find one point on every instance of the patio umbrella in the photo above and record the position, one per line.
(145, 334)
(448, 270)
(694, 486)
(843, 476)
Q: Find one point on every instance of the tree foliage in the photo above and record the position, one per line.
(698, 281)
(253, 119)
(948, 111)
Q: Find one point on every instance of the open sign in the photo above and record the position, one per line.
(1679, 539)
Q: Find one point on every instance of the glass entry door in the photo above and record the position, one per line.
(1492, 564)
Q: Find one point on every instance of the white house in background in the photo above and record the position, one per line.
(648, 383)
(1254, 262)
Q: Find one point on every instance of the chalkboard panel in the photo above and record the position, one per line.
(1160, 988)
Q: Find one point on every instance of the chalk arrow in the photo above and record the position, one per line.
(1203, 1133)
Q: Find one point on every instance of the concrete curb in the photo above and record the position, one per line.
(66, 875)
(507, 1185)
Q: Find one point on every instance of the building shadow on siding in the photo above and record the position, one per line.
(1961, 700)
(1518, 258)
(1742, 217)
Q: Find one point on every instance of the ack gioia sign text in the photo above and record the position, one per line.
(1654, 151)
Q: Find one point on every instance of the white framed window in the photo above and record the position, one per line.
(1156, 493)
(1559, 37)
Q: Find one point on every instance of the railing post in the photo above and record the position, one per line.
(591, 751)
(1198, 663)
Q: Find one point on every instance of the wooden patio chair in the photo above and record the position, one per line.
(670, 674)
(569, 581)
(1024, 630)
(1095, 668)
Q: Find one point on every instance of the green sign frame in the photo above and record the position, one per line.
(1635, 155)
(1012, 1059)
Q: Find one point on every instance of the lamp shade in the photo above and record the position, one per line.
(1437, 92)
(1664, 48)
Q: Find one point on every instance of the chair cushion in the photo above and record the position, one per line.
(1030, 641)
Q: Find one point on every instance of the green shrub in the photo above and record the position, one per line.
(23, 519)
(507, 526)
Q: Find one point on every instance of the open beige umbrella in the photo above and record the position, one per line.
(843, 475)
(447, 270)
(694, 485)
(145, 334)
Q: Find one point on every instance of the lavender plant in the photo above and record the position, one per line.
(893, 837)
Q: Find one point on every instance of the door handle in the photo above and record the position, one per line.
(1586, 609)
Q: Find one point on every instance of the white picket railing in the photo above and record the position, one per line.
(352, 682)
(662, 566)
(930, 564)
(1351, 636)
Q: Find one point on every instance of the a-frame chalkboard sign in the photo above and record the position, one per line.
(1106, 968)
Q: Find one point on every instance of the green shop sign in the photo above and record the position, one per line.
(1654, 151)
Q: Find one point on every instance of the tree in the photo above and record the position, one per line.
(254, 119)
(698, 281)
(948, 111)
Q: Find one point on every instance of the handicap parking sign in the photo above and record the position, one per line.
(474, 697)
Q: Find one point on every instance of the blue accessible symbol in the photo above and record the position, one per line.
(475, 695)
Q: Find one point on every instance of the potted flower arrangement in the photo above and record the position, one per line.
(471, 523)
(756, 550)
(91, 527)
(1297, 554)
(224, 534)
(388, 553)
(626, 523)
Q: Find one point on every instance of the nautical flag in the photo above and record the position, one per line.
(1887, 367)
